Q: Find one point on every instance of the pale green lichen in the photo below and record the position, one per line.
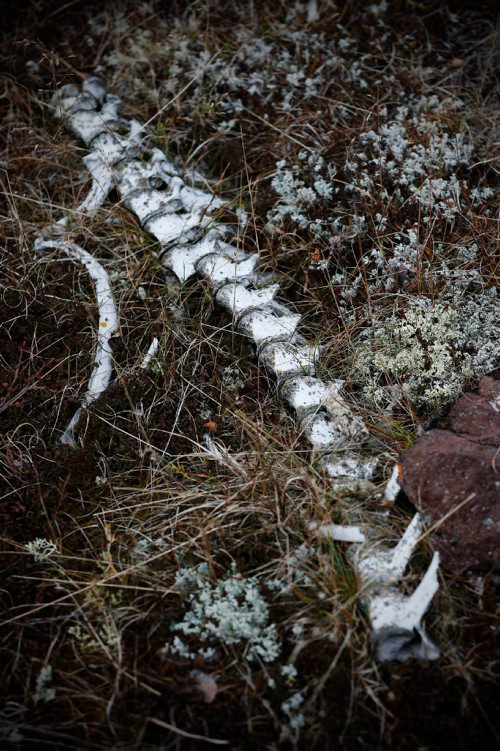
(43, 690)
(106, 638)
(42, 549)
(429, 353)
(233, 611)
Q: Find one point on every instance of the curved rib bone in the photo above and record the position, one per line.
(107, 326)
(180, 217)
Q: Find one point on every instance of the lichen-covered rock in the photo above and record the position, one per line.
(454, 476)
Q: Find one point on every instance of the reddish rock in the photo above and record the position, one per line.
(489, 388)
(474, 416)
(454, 476)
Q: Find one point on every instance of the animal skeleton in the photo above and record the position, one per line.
(180, 216)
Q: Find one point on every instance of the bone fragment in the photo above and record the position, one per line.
(287, 358)
(182, 260)
(396, 619)
(150, 354)
(322, 432)
(338, 532)
(393, 487)
(220, 268)
(272, 322)
(349, 469)
(307, 393)
(398, 633)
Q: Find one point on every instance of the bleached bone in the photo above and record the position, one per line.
(273, 322)
(323, 432)
(387, 565)
(220, 268)
(308, 395)
(305, 394)
(338, 532)
(179, 216)
(183, 263)
(393, 488)
(150, 354)
(107, 325)
(237, 298)
(349, 469)
(396, 619)
(285, 359)
(109, 148)
(102, 184)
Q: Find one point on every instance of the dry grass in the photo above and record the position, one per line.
(141, 498)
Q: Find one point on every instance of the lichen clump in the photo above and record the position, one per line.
(430, 352)
(231, 612)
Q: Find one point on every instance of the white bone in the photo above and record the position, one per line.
(396, 619)
(111, 148)
(178, 214)
(147, 203)
(276, 322)
(393, 487)
(388, 564)
(182, 260)
(322, 432)
(287, 358)
(230, 266)
(306, 393)
(352, 426)
(338, 532)
(107, 325)
(169, 227)
(150, 354)
(237, 298)
(349, 469)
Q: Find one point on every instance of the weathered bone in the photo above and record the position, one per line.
(150, 354)
(338, 532)
(228, 266)
(179, 216)
(237, 298)
(276, 322)
(290, 358)
(348, 470)
(396, 619)
(107, 326)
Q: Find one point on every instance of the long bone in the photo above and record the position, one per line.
(107, 326)
(180, 217)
